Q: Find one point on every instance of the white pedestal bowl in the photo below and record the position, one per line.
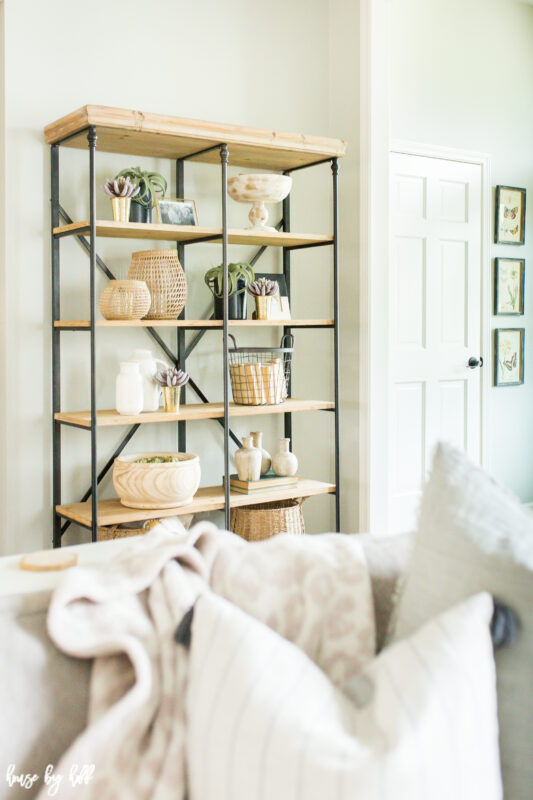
(258, 190)
(163, 485)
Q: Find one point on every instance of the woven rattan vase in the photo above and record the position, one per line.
(165, 279)
(125, 300)
(255, 523)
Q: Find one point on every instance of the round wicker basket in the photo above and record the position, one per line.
(127, 299)
(123, 531)
(255, 523)
(165, 279)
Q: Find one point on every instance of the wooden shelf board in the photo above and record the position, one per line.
(161, 136)
(190, 411)
(208, 498)
(179, 233)
(195, 323)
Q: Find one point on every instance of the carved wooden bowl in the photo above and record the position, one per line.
(160, 485)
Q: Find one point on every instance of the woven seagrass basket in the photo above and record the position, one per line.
(255, 523)
(127, 299)
(123, 531)
(162, 272)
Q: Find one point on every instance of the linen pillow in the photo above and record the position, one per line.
(265, 723)
(473, 535)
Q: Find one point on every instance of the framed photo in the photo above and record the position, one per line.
(509, 356)
(176, 211)
(509, 274)
(509, 227)
(280, 308)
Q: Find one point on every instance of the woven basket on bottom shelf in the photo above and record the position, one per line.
(264, 520)
(122, 531)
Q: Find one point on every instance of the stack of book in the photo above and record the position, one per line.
(268, 481)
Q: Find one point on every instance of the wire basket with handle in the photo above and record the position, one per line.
(260, 376)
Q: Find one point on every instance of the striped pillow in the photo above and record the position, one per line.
(265, 723)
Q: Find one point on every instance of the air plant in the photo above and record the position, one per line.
(171, 377)
(263, 288)
(120, 187)
(149, 184)
(240, 270)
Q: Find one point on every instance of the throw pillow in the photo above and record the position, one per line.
(473, 535)
(265, 723)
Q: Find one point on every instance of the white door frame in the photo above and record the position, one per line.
(374, 263)
(482, 160)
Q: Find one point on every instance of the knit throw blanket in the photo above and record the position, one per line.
(312, 590)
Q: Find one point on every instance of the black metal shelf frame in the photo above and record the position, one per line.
(183, 351)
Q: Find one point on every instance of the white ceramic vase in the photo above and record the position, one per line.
(129, 389)
(285, 463)
(266, 461)
(148, 366)
(248, 461)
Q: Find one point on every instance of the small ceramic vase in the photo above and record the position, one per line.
(248, 461)
(285, 463)
(129, 389)
(266, 461)
(148, 366)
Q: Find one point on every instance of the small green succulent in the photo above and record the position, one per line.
(263, 288)
(171, 377)
(240, 270)
(149, 183)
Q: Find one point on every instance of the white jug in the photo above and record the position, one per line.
(149, 366)
(129, 389)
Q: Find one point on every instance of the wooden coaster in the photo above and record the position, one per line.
(47, 560)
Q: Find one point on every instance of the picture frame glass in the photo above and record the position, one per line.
(509, 356)
(509, 286)
(176, 211)
(510, 212)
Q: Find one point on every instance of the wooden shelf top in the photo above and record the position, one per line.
(190, 411)
(161, 136)
(191, 234)
(208, 498)
(195, 323)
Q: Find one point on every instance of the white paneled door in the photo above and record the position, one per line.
(435, 322)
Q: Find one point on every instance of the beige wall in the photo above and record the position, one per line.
(232, 62)
(461, 77)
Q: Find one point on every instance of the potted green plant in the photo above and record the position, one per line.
(171, 380)
(149, 183)
(240, 275)
(263, 290)
(121, 191)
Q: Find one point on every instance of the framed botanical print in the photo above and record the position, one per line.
(509, 226)
(509, 356)
(509, 275)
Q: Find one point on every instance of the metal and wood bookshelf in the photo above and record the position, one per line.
(135, 133)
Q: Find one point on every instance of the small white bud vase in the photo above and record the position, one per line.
(285, 463)
(266, 461)
(248, 461)
(129, 389)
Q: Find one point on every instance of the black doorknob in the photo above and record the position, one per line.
(474, 362)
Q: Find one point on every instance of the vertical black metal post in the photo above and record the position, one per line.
(92, 138)
(180, 339)
(335, 172)
(56, 346)
(224, 162)
(287, 275)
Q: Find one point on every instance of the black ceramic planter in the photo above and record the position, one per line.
(236, 304)
(140, 213)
